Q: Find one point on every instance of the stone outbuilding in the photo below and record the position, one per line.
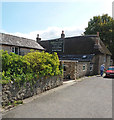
(18, 45)
(76, 66)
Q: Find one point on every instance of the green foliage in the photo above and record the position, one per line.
(30, 67)
(43, 64)
(105, 26)
(18, 102)
(12, 104)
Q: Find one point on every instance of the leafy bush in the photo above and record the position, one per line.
(30, 67)
(13, 66)
(43, 64)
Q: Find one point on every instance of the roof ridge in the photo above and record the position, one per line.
(72, 37)
(9, 39)
(17, 36)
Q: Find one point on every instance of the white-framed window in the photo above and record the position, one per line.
(104, 59)
(91, 67)
(84, 67)
(15, 50)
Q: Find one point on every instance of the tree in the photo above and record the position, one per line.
(105, 26)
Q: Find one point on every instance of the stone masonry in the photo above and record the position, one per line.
(74, 69)
(12, 91)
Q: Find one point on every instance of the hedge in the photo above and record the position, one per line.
(34, 65)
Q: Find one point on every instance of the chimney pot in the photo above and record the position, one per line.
(37, 35)
(38, 39)
(62, 35)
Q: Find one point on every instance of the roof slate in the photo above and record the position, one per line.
(7, 39)
(84, 58)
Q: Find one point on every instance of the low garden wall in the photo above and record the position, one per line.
(28, 75)
(12, 92)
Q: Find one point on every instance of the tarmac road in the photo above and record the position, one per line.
(90, 98)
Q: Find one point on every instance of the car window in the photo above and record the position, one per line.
(110, 68)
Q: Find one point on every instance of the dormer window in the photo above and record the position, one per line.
(15, 50)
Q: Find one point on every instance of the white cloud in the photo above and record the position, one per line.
(55, 32)
(51, 33)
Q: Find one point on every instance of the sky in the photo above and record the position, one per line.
(48, 19)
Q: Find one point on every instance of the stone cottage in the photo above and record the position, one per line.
(76, 66)
(80, 55)
(18, 45)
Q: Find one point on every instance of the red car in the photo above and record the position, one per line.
(110, 72)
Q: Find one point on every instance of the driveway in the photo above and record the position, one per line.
(90, 98)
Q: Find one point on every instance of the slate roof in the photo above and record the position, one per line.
(80, 58)
(7, 39)
(79, 45)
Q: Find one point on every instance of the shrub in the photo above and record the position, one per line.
(30, 67)
(13, 66)
(43, 64)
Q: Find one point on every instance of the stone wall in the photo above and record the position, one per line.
(5, 47)
(96, 64)
(111, 62)
(69, 70)
(74, 69)
(22, 50)
(103, 59)
(12, 91)
(79, 69)
(108, 60)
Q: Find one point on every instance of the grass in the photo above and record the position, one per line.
(15, 103)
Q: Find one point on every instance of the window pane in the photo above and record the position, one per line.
(16, 50)
(13, 49)
(83, 67)
(91, 67)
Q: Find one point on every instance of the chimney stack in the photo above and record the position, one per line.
(98, 34)
(97, 40)
(62, 35)
(38, 39)
(97, 44)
